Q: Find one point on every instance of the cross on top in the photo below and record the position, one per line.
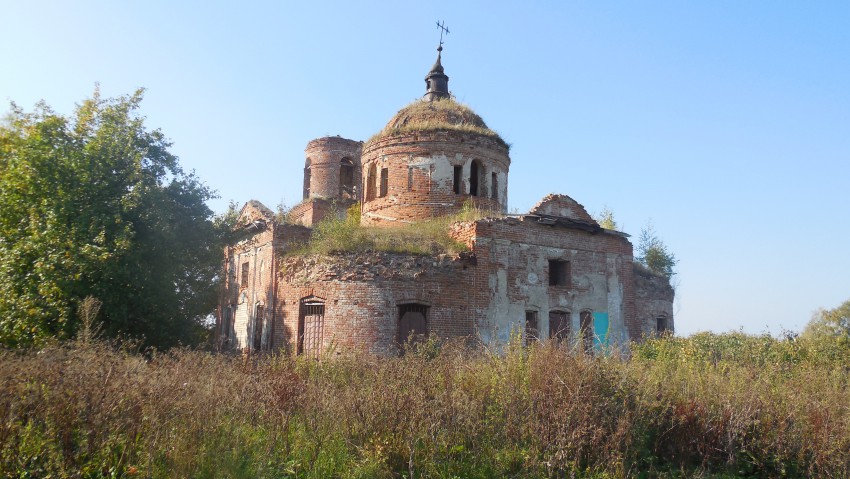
(442, 27)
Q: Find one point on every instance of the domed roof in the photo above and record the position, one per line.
(443, 114)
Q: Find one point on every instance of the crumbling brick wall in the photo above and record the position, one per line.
(421, 181)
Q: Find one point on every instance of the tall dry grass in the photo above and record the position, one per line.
(677, 408)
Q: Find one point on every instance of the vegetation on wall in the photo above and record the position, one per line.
(728, 405)
(653, 253)
(95, 204)
(430, 237)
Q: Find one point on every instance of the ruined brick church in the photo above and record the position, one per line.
(550, 273)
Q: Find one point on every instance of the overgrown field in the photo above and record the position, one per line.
(708, 406)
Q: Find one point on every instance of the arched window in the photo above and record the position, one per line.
(259, 322)
(587, 334)
(532, 331)
(385, 182)
(307, 179)
(474, 178)
(371, 182)
(559, 325)
(346, 179)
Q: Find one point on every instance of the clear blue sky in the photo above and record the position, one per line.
(726, 123)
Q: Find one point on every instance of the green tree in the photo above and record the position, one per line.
(605, 218)
(653, 253)
(831, 323)
(95, 205)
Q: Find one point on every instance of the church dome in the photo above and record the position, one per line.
(437, 115)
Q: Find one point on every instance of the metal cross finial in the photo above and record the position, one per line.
(442, 27)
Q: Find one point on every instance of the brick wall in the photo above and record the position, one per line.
(324, 157)
(420, 170)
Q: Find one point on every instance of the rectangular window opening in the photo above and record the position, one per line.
(559, 272)
(412, 323)
(494, 186)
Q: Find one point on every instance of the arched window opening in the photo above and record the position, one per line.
(385, 182)
(532, 331)
(559, 325)
(226, 325)
(371, 182)
(412, 323)
(474, 173)
(259, 322)
(586, 322)
(457, 186)
(347, 188)
(307, 179)
(311, 327)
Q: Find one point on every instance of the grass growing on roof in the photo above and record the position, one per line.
(428, 237)
(445, 114)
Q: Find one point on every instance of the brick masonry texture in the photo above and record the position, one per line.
(554, 259)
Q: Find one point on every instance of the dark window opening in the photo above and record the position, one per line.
(259, 320)
(458, 180)
(532, 332)
(586, 321)
(244, 278)
(494, 186)
(371, 182)
(225, 325)
(473, 178)
(559, 272)
(661, 325)
(412, 323)
(346, 179)
(311, 328)
(385, 180)
(559, 326)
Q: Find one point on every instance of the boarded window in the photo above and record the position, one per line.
(346, 179)
(385, 181)
(457, 186)
(532, 331)
(559, 325)
(586, 322)
(412, 323)
(244, 278)
(259, 321)
(494, 186)
(474, 173)
(559, 272)
(311, 327)
(371, 182)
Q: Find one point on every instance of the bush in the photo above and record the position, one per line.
(681, 407)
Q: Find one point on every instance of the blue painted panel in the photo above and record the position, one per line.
(600, 330)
